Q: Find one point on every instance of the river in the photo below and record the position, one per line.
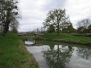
(59, 55)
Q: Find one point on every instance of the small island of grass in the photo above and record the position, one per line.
(67, 38)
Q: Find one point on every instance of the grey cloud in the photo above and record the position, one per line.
(54, 4)
(34, 11)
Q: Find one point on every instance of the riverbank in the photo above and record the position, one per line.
(66, 38)
(13, 54)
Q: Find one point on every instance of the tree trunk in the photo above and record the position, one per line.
(58, 28)
(6, 28)
(6, 23)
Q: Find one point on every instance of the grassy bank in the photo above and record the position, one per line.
(13, 54)
(69, 38)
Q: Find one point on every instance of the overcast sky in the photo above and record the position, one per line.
(34, 12)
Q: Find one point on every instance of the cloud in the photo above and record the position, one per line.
(53, 4)
(78, 10)
(34, 11)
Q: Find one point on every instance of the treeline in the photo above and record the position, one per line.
(84, 26)
(8, 15)
(58, 21)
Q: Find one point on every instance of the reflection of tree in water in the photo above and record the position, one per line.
(51, 47)
(58, 58)
(84, 53)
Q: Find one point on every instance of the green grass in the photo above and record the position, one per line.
(51, 43)
(67, 37)
(13, 54)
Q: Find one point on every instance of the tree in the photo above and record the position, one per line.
(80, 29)
(83, 25)
(67, 27)
(51, 29)
(89, 28)
(9, 14)
(55, 17)
(14, 26)
(14, 30)
(1, 15)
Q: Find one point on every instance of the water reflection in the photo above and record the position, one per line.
(84, 53)
(58, 58)
(29, 41)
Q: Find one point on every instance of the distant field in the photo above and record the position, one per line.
(66, 37)
(13, 54)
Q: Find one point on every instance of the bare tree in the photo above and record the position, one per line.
(83, 24)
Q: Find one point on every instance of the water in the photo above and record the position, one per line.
(29, 42)
(61, 55)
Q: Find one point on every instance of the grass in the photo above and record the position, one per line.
(51, 43)
(13, 54)
(67, 37)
